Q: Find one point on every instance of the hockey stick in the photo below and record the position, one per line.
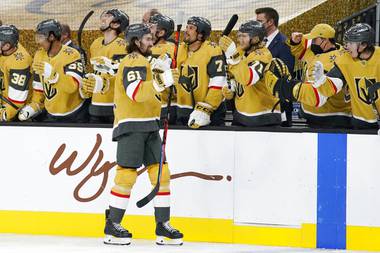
(227, 30)
(153, 193)
(230, 25)
(80, 30)
(6, 100)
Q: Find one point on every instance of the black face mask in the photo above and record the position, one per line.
(316, 49)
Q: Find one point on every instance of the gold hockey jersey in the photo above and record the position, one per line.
(102, 104)
(202, 76)
(253, 101)
(137, 104)
(15, 80)
(61, 98)
(357, 75)
(311, 102)
(166, 47)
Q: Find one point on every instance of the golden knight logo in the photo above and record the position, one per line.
(189, 78)
(362, 85)
(49, 90)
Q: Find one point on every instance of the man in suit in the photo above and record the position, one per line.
(276, 43)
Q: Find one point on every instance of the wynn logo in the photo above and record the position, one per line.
(102, 169)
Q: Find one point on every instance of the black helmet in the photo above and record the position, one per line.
(49, 26)
(360, 32)
(136, 31)
(120, 17)
(163, 22)
(9, 34)
(203, 25)
(253, 28)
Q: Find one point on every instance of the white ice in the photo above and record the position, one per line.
(10, 243)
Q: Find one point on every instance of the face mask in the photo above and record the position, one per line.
(316, 49)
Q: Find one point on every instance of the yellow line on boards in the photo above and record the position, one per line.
(195, 229)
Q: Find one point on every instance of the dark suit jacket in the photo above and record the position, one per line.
(279, 49)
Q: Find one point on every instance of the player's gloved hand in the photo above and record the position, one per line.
(3, 114)
(229, 48)
(296, 38)
(200, 116)
(228, 90)
(92, 83)
(316, 74)
(278, 81)
(372, 91)
(28, 112)
(47, 71)
(279, 68)
(104, 65)
(162, 63)
(162, 74)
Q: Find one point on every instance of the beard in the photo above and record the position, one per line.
(147, 52)
(188, 40)
(104, 28)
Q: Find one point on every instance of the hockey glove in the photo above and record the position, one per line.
(200, 116)
(228, 91)
(229, 48)
(104, 65)
(95, 84)
(279, 68)
(163, 75)
(28, 112)
(47, 71)
(317, 74)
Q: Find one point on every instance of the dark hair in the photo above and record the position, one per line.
(270, 13)
(131, 47)
(153, 12)
(66, 29)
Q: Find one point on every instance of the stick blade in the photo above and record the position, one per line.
(142, 202)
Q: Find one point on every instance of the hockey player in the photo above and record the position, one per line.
(108, 49)
(136, 130)
(358, 69)
(319, 45)
(58, 73)
(255, 105)
(202, 76)
(15, 73)
(162, 28)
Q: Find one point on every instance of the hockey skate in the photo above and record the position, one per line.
(167, 235)
(115, 234)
